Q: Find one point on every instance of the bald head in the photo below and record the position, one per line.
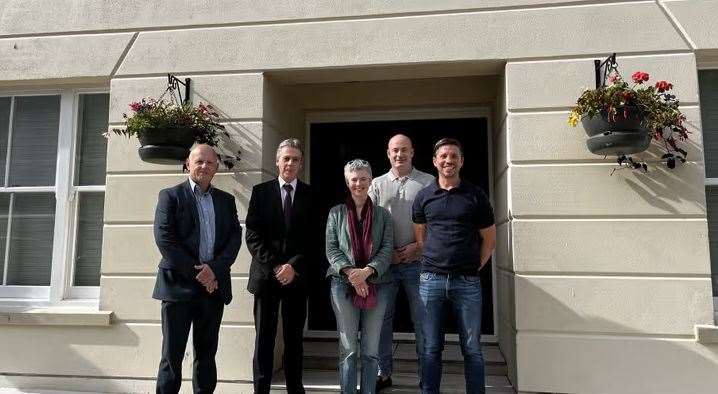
(400, 139)
(202, 164)
(204, 149)
(400, 152)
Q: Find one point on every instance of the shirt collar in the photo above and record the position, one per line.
(435, 188)
(282, 183)
(194, 186)
(410, 175)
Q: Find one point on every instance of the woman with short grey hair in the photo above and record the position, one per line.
(359, 242)
(357, 165)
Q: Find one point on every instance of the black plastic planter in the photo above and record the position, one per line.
(165, 146)
(618, 143)
(622, 135)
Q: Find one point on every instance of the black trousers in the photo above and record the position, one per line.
(293, 303)
(204, 314)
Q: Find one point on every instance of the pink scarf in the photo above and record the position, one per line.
(361, 248)
(361, 243)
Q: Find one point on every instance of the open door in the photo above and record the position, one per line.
(333, 144)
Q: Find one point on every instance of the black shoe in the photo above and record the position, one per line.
(381, 383)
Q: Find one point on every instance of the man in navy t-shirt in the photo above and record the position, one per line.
(454, 225)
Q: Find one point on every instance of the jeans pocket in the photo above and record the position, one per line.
(427, 276)
(472, 278)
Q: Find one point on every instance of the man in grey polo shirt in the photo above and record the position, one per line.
(395, 191)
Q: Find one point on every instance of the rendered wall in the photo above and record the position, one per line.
(609, 269)
(503, 260)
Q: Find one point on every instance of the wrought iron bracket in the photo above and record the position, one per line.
(603, 69)
(173, 85)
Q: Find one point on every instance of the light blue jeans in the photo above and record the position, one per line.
(406, 275)
(349, 319)
(461, 294)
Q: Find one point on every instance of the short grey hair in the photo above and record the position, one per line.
(290, 143)
(356, 165)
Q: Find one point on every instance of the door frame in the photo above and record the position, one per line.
(442, 112)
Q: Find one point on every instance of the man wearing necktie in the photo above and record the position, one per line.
(278, 220)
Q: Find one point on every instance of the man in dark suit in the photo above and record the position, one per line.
(198, 234)
(278, 220)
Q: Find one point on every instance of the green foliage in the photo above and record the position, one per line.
(158, 116)
(657, 108)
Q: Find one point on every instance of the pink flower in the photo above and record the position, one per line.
(613, 78)
(663, 86)
(639, 77)
(135, 106)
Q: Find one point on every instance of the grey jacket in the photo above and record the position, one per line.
(338, 244)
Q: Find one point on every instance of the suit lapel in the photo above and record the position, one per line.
(277, 206)
(190, 204)
(298, 202)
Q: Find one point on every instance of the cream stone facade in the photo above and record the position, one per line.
(603, 282)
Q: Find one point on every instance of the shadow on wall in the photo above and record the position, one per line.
(242, 137)
(562, 347)
(662, 185)
(242, 191)
(47, 357)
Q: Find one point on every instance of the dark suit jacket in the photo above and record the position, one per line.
(270, 243)
(177, 237)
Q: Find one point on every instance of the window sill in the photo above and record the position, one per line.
(54, 316)
(706, 334)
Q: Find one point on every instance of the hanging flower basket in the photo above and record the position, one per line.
(622, 134)
(622, 119)
(167, 130)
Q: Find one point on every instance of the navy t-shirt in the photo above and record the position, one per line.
(453, 219)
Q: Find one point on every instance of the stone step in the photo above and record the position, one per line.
(328, 381)
(322, 355)
(32, 391)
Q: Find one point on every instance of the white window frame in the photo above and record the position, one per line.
(61, 290)
(711, 182)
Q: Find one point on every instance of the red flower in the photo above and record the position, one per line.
(639, 77)
(663, 86)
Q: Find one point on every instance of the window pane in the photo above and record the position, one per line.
(4, 206)
(31, 236)
(34, 141)
(89, 239)
(712, 202)
(92, 150)
(708, 83)
(4, 126)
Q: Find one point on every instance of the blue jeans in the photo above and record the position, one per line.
(349, 318)
(461, 293)
(406, 275)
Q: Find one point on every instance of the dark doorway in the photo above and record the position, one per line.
(334, 144)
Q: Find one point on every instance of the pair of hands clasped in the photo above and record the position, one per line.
(284, 274)
(357, 277)
(206, 277)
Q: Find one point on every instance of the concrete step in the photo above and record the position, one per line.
(323, 354)
(328, 382)
(31, 391)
